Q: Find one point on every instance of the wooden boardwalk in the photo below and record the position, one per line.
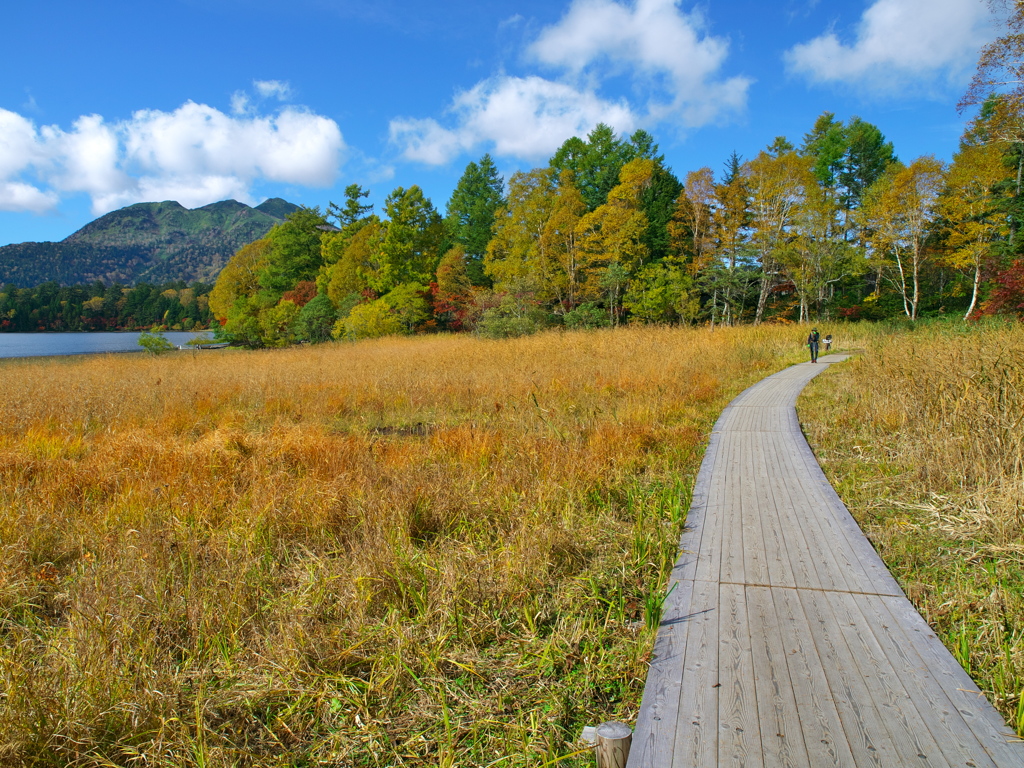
(784, 640)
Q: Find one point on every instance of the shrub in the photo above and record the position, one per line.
(155, 342)
(513, 317)
(587, 315)
(368, 321)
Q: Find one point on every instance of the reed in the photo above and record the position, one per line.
(923, 437)
(428, 551)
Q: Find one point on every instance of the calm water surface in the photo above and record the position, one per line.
(39, 344)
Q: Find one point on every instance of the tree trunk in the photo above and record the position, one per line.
(974, 292)
(767, 280)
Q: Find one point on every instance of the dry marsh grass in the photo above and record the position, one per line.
(431, 551)
(923, 438)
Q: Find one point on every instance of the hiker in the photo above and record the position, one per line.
(828, 342)
(812, 343)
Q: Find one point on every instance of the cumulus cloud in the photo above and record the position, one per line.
(22, 152)
(897, 42)
(195, 155)
(17, 196)
(522, 117)
(674, 64)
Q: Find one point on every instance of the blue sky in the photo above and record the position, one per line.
(108, 103)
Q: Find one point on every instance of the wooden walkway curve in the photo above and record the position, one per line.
(784, 639)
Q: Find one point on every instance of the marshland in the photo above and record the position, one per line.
(445, 550)
(409, 551)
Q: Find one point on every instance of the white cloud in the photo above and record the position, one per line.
(278, 89)
(239, 103)
(195, 155)
(22, 150)
(86, 159)
(17, 196)
(673, 64)
(899, 42)
(522, 117)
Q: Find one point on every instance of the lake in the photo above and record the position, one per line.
(40, 344)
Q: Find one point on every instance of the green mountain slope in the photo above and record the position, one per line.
(146, 242)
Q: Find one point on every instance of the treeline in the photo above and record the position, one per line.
(98, 307)
(606, 233)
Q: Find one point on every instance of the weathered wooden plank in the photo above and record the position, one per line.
(696, 742)
(739, 729)
(782, 736)
(755, 507)
(866, 734)
(655, 732)
(775, 529)
(832, 566)
(730, 508)
(705, 489)
(1005, 748)
(709, 563)
(824, 496)
(818, 568)
(657, 721)
(824, 736)
(952, 734)
(911, 740)
(850, 566)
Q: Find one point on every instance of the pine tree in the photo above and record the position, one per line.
(470, 213)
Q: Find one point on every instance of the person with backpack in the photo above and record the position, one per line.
(812, 343)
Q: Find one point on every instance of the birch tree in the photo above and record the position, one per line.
(968, 204)
(778, 186)
(897, 215)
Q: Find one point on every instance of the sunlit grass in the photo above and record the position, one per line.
(428, 551)
(923, 437)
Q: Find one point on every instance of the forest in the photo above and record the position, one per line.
(98, 307)
(836, 226)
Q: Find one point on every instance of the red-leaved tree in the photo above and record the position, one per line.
(303, 293)
(1007, 297)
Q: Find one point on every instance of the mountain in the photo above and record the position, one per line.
(145, 242)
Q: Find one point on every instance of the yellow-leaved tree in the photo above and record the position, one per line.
(967, 205)
(566, 268)
(691, 230)
(614, 232)
(240, 277)
(819, 256)
(897, 216)
(517, 249)
(778, 186)
(356, 257)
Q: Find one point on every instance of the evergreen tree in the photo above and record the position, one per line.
(867, 156)
(353, 210)
(294, 253)
(826, 145)
(596, 163)
(411, 247)
(470, 213)
(847, 159)
(658, 201)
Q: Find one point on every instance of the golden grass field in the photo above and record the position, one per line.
(424, 551)
(923, 437)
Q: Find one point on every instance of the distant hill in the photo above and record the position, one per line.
(145, 242)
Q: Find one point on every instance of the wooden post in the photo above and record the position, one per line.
(613, 741)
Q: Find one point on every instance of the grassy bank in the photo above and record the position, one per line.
(430, 551)
(923, 438)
